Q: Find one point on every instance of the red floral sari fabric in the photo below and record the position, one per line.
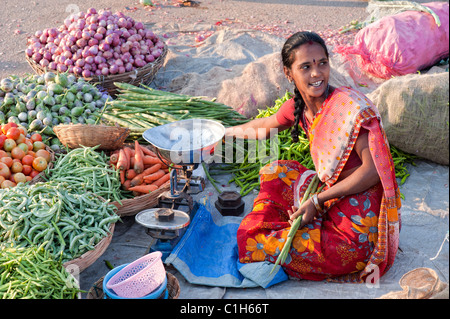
(357, 233)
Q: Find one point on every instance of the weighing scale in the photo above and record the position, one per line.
(182, 145)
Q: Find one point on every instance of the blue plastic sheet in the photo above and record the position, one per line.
(207, 254)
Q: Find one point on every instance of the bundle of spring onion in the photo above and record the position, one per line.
(246, 173)
(32, 273)
(140, 108)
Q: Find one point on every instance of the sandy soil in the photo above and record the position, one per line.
(21, 18)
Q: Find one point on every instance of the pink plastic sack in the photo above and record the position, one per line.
(400, 44)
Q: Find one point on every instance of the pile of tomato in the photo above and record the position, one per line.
(22, 156)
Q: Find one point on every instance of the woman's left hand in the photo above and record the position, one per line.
(307, 210)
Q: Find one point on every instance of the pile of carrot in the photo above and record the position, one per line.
(140, 169)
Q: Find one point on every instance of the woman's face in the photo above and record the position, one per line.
(310, 70)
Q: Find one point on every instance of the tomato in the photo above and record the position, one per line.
(34, 173)
(38, 146)
(43, 153)
(29, 178)
(2, 140)
(20, 178)
(16, 167)
(29, 143)
(1, 179)
(7, 184)
(26, 169)
(6, 127)
(17, 152)
(36, 137)
(7, 160)
(2, 153)
(23, 130)
(13, 133)
(9, 144)
(39, 164)
(20, 139)
(23, 146)
(30, 152)
(27, 160)
(4, 170)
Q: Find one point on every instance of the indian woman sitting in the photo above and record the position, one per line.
(350, 229)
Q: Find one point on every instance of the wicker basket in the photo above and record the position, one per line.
(132, 206)
(173, 287)
(145, 74)
(89, 257)
(40, 177)
(108, 137)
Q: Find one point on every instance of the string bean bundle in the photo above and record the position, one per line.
(141, 108)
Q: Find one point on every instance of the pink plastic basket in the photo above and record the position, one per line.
(140, 277)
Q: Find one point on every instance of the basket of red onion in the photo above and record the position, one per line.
(101, 47)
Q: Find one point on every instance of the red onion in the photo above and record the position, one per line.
(128, 67)
(89, 59)
(98, 36)
(109, 39)
(92, 42)
(29, 51)
(62, 68)
(44, 63)
(68, 54)
(97, 59)
(104, 46)
(37, 57)
(93, 50)
(113, 69)
(121, 70)
(149, 58)
(81, 42)
(80, 62)
(105, 71)
(52, 66)
(68, 62)
(92, 10)
(108, 54)
(77, 70)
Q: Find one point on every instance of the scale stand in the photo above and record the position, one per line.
(164, 225)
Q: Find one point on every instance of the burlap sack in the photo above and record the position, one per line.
(420, 283)
(414, 110)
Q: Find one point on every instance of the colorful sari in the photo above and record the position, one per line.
(357, 235)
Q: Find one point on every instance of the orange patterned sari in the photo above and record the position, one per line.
(358, 234)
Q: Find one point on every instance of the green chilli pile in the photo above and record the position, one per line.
(246, 173)
(32, 273)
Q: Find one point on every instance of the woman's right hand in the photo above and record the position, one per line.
(307, 211)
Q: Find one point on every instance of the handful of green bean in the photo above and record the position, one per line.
(141, 108)
(70, 223)
(32, 273)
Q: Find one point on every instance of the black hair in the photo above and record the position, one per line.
(287, 57)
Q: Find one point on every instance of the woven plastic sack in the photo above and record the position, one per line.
(400, 44)
(415, 114)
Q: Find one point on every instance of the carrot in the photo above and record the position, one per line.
(144, 188)
(126, 184)
(139, 178)
(151, 160)
(122, 160)
(154, 176)
(146, 151)
(122, 176)
(130, 174)
(114, 158)
(161, 180)
(138, 158)
(129, 156)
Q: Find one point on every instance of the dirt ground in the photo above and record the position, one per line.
(20, 19)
